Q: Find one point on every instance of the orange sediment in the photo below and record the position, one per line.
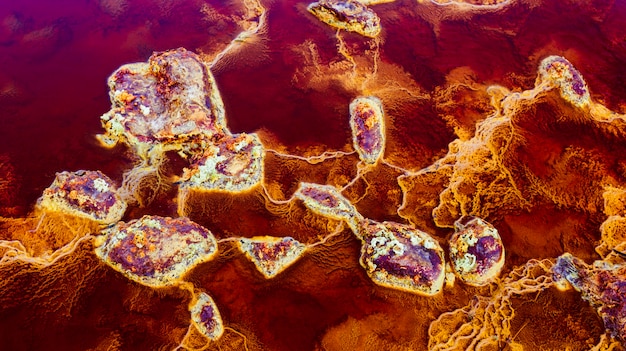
(485, 323)
(512, 135)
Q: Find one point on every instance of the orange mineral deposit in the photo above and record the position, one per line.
(400, 257)
(476, 251)
(156, 251)
(88, 194)
(327, 201)
(171, 101)
(367, 121)
(206, 317)
(350, 15)
(278, 175)
(271, 255)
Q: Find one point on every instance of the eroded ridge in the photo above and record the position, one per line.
(613, 229)
(206, 317)
(602, 284)
(156, 251)
(476, 251)
(271, 255)
(502, 169)
(327, 201)
(558, 71)
(87, 194)
(485, 323)
(171, 102)
(350, 15)
(402, 257)
(234, 164)
(367, 121)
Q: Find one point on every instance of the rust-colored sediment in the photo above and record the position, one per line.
(476, 123)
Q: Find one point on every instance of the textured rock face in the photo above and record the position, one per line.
(349, 15)
(558, 71)
(206, 317)
(234, 164)
(367, 121)
(476, 251)
(156, 251)
(400, 257)
(603, 285)
(271, 255)
(171, 100)
(486, 114)
(327, 201)
(88, 194)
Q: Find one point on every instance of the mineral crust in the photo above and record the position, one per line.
(558, 71)
(206, 317)
(327, 201)
(350, 15)
(375, 2)
(476, 251)
(172, 100)
(601, 284)
(87, 194)
(478, 3)
(402, 257)
(367, 121)
(271, 255)
(156, 251)
(233, 164)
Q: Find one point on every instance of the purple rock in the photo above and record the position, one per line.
(566, 268)
(488, 251)
(416, 262)
(602, 284)
(402, 257)
(207, 316)
(476, 251)
(369, 138)
(156, 251)
(367, 124)
(578, 86)
(321, 197)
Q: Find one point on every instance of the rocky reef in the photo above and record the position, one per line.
(330, 175)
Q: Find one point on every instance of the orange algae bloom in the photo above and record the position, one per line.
(234, 164)
(476, 251)
(87, 194)
(206, 317)
(349, 15)
(367, 121)
(602, 284)
(561, 73)
(327, 201)
(402, 257)
(271, 255)
(171, 101)
(156, 251)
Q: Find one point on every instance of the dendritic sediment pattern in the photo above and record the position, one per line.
(340, 174)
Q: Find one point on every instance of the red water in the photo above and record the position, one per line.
(55, 57)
